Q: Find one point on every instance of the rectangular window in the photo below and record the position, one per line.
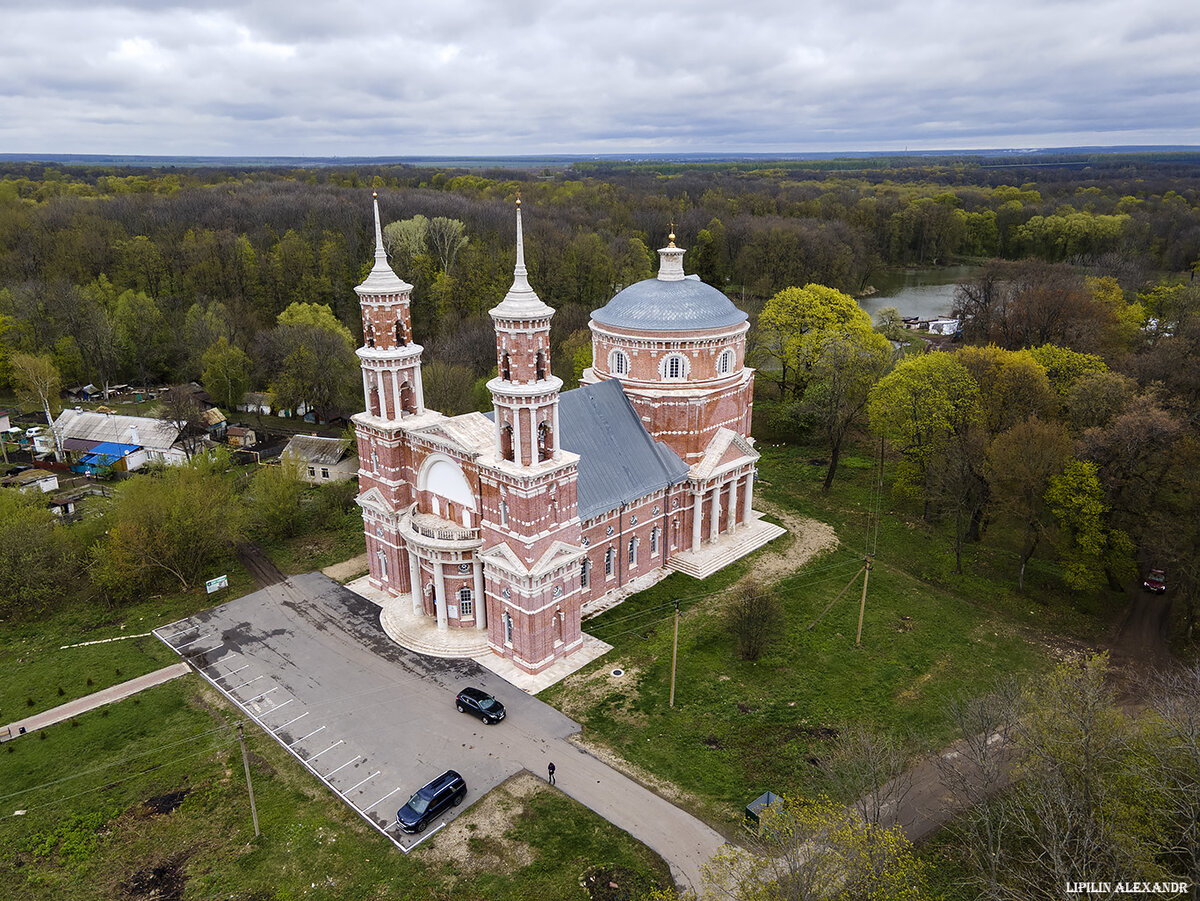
(324, 473)
(312, 473)
(466, 608)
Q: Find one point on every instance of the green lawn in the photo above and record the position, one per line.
(88, 834)
(741, 728)
(319, 547)
(34, 666)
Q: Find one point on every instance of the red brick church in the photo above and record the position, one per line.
(517, 521)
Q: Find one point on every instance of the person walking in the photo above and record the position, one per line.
(550, 774)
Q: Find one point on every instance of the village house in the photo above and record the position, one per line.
(322, 459)
(96, 441)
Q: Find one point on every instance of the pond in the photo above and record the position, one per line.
(927, 293)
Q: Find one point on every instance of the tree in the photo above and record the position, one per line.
(845, 366)
(1088, 549)
(753, 617)
(166, 527)
(38, 560)
(872, 768)
(226, 373)
(1013, 386)
(889, 324)
(140, 331)
(311, 357)
(794, 324)
(816, 850)
(405, 240)
(179, 407)
(446, 237)
(920, 407)
(449, 389)
(37, 382)
(1065, 366)
(1020, 464)
(276, 494)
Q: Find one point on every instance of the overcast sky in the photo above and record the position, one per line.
(303, 78)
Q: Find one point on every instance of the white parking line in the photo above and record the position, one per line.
(176, 634)
(381, 800)
(343, 766)
(310, 735)
(289, 722)
(340, 741)
(277, 706)
(231, 673)
(244, 684)
(361, 784)
(263, 695)
(428, 834)
(193, 641)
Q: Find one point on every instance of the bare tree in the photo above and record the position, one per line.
(38, 382)
(1175, 758)
(871, 767)
(181, 409)
(753, 617)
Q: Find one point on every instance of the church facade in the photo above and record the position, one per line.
(515, 521)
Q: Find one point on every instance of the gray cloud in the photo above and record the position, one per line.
(533, 76)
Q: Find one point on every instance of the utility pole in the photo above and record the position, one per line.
(250, 788)
(862, 607)
(674, 654)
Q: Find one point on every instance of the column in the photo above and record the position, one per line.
(516, 424)
(480, 597)
(420, 388)
(382, 403)
(733, 483)
(496, 425)
(749, 497)
(366, 390)
(439, 595)
(555, 427)
(414, 578)
(396, 393)
(697, 510)
(714, 526)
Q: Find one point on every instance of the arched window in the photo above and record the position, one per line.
(505, 368)
(618, 363)
(370, 334)
(400, 342)
(654, 541)
(545, 441)
(506, 442)
(466, 604)
(540, 365)
(725, 362)
(508, 627)
(674, 367)
(585, 572)
(610, 559)
(408, 400)
(383, 575)
(503, 513)
(633, 549)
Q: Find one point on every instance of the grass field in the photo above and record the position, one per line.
(34, 666)
(149, 795)
(740, 728)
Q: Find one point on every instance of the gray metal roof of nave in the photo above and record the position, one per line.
(655, 305)
(618, 460)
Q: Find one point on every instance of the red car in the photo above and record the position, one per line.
(1156, 581)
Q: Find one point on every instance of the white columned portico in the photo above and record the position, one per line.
(733, 485)
(439, 595)
(749, 497)
(714, 528)
(414, 579)
(480, 598)
(697, 511)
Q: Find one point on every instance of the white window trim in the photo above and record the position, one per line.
(664, 367)
(614, 356)
(725, 361)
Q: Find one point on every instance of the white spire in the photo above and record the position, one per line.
(382, 279)
(522, 301)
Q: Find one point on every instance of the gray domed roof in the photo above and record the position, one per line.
(671, 302)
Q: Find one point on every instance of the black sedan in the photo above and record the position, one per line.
(481, 704)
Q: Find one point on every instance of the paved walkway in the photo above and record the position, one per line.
(98, 699)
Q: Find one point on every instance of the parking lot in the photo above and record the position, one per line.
(308, 662)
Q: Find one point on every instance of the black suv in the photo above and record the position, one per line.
(481, 704)
(446, 790)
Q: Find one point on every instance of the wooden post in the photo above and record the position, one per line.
(862, 607)
(674, 654)
(249, 788)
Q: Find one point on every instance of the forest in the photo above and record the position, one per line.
(1079, 329)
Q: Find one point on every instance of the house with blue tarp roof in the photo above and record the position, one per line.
(109, 456)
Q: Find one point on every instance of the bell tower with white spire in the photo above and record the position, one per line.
(524, 392)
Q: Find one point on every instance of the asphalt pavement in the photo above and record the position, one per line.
(307, 660)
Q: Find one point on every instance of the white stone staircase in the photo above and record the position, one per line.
(727, 548)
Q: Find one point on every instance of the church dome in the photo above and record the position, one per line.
(670, 302)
